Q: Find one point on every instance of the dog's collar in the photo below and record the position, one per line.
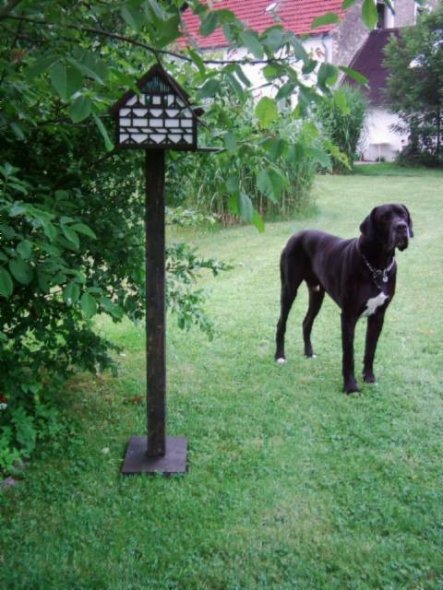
(377, 273)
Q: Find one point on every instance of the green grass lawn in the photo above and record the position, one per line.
(291, 484)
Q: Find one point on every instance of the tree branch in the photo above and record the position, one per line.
(150, 48)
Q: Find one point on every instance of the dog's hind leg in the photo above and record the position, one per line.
(316, 296)
(291, 278)
(287, 299)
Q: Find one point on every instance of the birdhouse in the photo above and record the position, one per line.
(157, 116)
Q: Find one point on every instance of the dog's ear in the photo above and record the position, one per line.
(411, 231)
(367, 227)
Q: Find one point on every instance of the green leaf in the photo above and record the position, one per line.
(7, 231)
(285, 91)
(81, 228)
(44, 281)
(251, 41)
(155, 8)
(66, 219)
(80, 108)
(309, 66)
(354, 74)
(167, 31)
(230, 142)
(233, 203)
(327, 75)
(66, 80)
(235, 84)
(329, 18)
(271, 72)
(71, 235)
(25, 249)
(112, 308)
(341, 101)
(320, 156)
(40, 66)
(88, 305)
(197, 59)
(18, 131)
(104, 133)
(71, 293)
(226, 17)
(271, 183)
(17, 209)
(246, 209)
(209, 89)
(49, 228)
(369, 13)
(240, 74)
(131, 17)
(257, 220)
(232, 184)
(6, 284)
(347, 4)
(21, 271)
(266, 111)
(275, 147)
(274, 38)
(98, 74)
(209, 24)
(299, 49)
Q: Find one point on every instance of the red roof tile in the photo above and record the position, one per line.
(294, 15)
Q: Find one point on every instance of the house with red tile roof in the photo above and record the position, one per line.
(348, 43)
(294, 15)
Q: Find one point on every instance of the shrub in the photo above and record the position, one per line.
(342, 116)
(258, 171)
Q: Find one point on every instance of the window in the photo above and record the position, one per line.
(381, 13)
(385, 15)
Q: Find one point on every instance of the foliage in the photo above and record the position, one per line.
(342, 116)
(64, 257)
(415, 87)
(184, 266)
(256, 173)
(71, 239)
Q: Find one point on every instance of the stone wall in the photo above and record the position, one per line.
(348, 37)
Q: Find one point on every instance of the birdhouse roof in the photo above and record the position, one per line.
(164, 77)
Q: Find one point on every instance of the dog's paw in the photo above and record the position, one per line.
(351, 388)
(280, 361)
(370, 378)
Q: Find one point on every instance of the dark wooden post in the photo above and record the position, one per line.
(156, 118)
(161, 453)
(155, 302)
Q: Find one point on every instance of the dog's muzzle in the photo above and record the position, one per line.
(401, 235)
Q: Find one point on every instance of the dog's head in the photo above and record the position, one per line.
(389, 224)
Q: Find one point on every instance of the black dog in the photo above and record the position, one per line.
(358, 274)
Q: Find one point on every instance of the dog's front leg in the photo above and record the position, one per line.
(348, 331)
(375, 325)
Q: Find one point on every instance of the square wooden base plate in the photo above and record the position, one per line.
(138, 461)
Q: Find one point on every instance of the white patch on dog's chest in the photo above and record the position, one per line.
(373, 303)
